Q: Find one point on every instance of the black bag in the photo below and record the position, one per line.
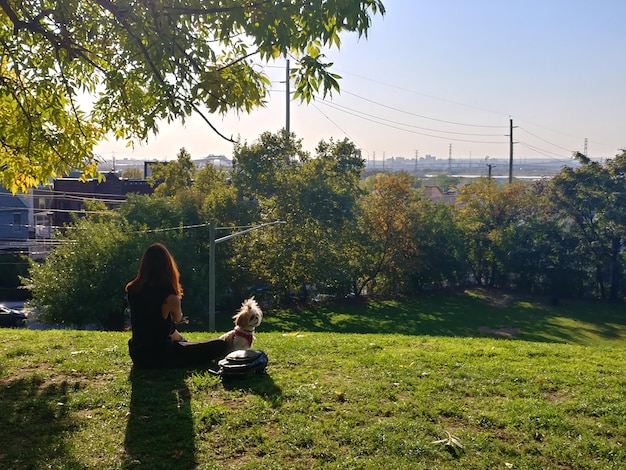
(242, 363)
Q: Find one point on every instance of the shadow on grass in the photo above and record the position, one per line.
(262, 385)
(159, 433)
(35, 423)
(461, 314)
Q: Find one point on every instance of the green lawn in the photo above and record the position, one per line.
(457, 380)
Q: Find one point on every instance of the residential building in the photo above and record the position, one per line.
(434, 193)
(70, 194)
(14, 223)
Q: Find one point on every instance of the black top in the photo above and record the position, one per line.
(150, 341)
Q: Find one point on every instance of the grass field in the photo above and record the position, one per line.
(470, 380)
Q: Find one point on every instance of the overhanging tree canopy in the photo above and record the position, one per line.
(144, 61)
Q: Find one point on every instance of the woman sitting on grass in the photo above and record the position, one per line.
(154, 297)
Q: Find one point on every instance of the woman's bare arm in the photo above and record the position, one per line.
(172, 306)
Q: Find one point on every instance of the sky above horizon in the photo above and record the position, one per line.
(444, 79)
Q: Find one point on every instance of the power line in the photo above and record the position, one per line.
(340, 107)
(446, 121)
(560, 132)
(545, 153)
(42, 192)
(51, 242)
(69, 197)
(420, 115)
(416, 132)
(544, 140)
(465, 105)
(40, 211)
(336, 125)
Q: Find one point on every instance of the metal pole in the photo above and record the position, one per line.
(510, 151)
(287, 111)
(248, 230)
(212, 276)
(212, 243)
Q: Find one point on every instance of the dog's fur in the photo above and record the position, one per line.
(246, 320)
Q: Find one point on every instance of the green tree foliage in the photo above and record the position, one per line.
(177, 222)
(181, 222)
(132, 173)
(331, 185)
(408, 242)
(152, 213)
(82, 280)
(12, 268)
(168, 178)
(524, 236)
(537, 253)
(315, 197)
(341, 234)
(389, 217)
(442, 256)
(319, 206)
(221, 200)
(260, 166)
(490, 215)
(591, 199)
(222, 203)
(145, 62)
(261, 174)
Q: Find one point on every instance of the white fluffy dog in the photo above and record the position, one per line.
(246, 320)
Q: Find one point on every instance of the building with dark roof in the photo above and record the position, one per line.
(70, 194)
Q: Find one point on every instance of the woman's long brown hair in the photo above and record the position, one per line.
(157, 269)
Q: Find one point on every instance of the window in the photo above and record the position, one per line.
(17, 222)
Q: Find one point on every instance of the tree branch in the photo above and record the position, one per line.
(205, 119)
(117, 13)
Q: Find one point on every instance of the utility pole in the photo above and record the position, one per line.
(510, 151)
(287, 117)
(450, 159)
(489, 165)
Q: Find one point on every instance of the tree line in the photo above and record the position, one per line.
(344, 234)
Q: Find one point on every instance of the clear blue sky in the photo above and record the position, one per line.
(444, 77)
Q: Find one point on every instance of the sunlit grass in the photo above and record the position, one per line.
(337, 395)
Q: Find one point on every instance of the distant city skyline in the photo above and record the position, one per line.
(533, 167)
(444, 78)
